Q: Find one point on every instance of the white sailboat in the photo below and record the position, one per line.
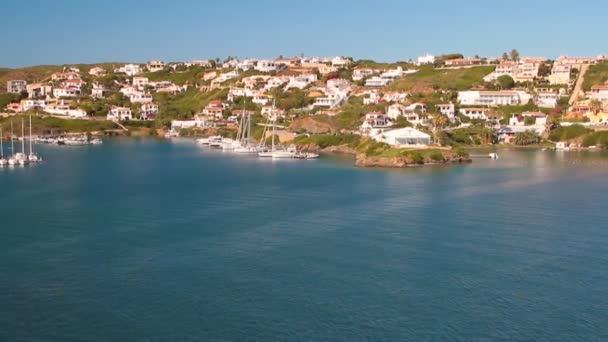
(32, 157)
(12, 161)
(245, 144)
(3, 161)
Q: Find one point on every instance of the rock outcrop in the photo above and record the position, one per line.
(310, 125)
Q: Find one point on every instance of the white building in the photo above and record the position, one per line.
(301, 81)
(492, 98)
(376, 81)
(140, 97)
(426, 59)
(340, 61)
(540, 119)
(30, 104)
(97, 91)
(66, 92)
(260, 99)
(97, 71)
(129, 69)
(331, 100)
(39, 90)
(154, 66)
(195, 123)
(374, 123)
(148, 111)
(546, 99)
(63, 109)
(599, 92)
(361, 73)
(447, 109)
(240, 92)
(119, 113)
(475, 113)
(275, 82)
(16, 86)
(394, 96)
(201, 63)
(560, 74)
(403, 137)
(140, 82)
(266, 65)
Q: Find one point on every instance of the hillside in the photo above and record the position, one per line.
(428, 79)
(596, 74)
(41, 72)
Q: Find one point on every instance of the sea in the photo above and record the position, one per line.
(144, 239)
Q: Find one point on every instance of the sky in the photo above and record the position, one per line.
(89, 31)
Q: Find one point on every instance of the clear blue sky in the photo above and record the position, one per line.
(72, 31)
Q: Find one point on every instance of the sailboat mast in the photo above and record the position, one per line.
(1, 145)
(31, 151)
(12, 141)
(22, 136)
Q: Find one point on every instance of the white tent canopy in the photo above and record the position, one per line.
(403, 137)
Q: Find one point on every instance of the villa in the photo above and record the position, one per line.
(361, 73)
(97, 71)
(154, 66)
(140, 82)
(119, 113)
(447, 109)
(492, 98)
(16, 86)
(599, 92)
(475, 113)
(301, 81)
(39, 90)
(148, 111)
(426, 59)
(215, 109)
(547, 99)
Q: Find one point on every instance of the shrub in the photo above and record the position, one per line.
(568, 132)
(417, 157)
(436, 156)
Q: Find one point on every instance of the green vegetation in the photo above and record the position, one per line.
(596, 139)
(6, 98)
(291, 99)
(526, 138)
(505, 81)
(326, 140)
(185, 104)
(563, 133)
(428, 78)
(474, 135)
(596, 74)
(52, 125)
(189, 75)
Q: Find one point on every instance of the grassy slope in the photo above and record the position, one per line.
(427, 78)
(597, 74)
(55, 125)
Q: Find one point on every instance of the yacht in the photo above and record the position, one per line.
(290, 152)
(21, 157)
(244, 137)
(32, 157)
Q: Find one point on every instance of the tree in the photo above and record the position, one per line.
(526, 138)
(505, 81)
(505, 56)
(596, 105)
(514, 55)
(544, 70)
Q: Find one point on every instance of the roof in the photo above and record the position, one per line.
(600, 86)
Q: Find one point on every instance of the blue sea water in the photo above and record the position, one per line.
(152, 240)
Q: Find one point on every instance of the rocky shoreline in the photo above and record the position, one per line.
(448, 157)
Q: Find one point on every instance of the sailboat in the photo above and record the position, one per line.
(21, 156)
(245, 138)
(32, 157)
(3, 161)
(12, 161)
(264, 153)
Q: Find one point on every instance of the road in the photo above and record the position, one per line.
(579, 84)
